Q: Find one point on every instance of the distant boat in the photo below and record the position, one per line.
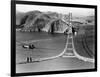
(30, 46)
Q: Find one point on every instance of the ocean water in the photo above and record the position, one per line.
(48, 48)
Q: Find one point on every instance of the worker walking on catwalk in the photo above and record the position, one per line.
(73, 30)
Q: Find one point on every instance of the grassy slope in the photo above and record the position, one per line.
(84, 42)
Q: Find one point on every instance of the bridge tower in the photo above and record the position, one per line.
(69, 44)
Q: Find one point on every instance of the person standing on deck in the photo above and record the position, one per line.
(28, 60)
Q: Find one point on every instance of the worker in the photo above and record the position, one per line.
(28, 60)
(74, 31)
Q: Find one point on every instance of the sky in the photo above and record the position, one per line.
(64, 10)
